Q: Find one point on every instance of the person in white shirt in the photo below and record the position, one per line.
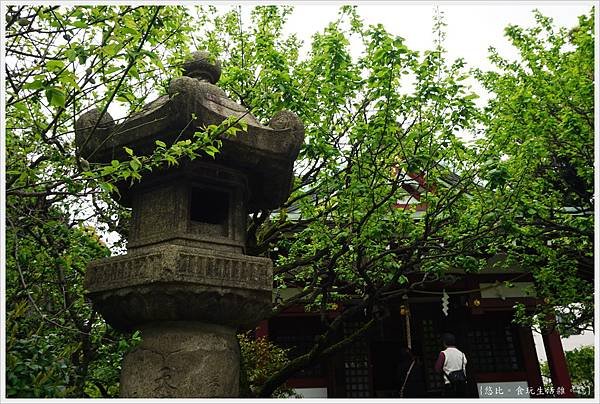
(451, 359)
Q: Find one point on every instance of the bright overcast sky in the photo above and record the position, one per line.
(472, 26)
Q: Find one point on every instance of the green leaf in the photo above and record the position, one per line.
(135, 164)
(129, 22)
(130, 31)
(133, 72)
(128, 150)
(110, 50)
(68, 78)
(34, 85)
(55, 97)
(20, 106)
(82, 58)
(211, 151)
(160, 143)
(126, 96)
(106, 170)
(107, 187)
(55, 65)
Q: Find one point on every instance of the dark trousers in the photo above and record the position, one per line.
(455, 390)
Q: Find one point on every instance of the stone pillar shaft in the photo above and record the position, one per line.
(182, 359)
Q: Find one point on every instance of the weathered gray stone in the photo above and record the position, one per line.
(185, 281)
(202, 204)
(170, 282)
(265, 153)
(94, 141)
(202, 65)
(182, 359)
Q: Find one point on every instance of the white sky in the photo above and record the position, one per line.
(472, 26)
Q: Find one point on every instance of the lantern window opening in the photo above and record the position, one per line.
(209, 206)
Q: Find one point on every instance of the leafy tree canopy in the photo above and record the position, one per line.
(541, 125)
(379, 128)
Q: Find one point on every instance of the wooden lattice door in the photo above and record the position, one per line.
(431, 342)
(357, 378)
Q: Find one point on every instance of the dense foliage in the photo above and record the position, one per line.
(60, 62)
(581, 369)
(541, 125)
(259, 359)
(379, 126)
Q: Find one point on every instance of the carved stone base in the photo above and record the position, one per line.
(183, 360)
(180, 283)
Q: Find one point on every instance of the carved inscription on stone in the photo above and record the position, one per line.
(179, 264)
(224, 271)
(181, 364)
(114, 273)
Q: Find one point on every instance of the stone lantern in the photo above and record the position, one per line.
(185, 281)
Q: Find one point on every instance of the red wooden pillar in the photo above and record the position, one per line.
(557, 364)
(262, 329)
(530, 359)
